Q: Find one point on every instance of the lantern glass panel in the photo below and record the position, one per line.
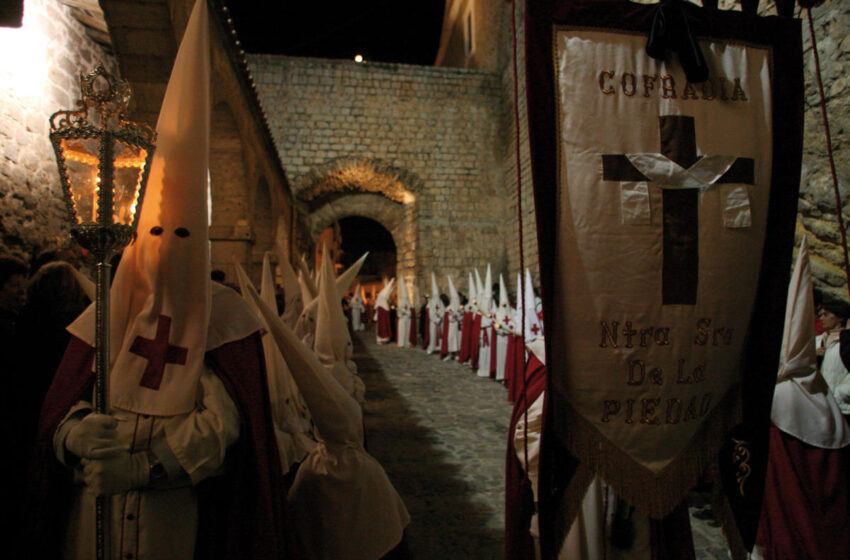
(129, 168)
(81, 162)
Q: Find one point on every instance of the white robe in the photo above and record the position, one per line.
(357, 309)
(435, 326)
(455, 318)
(835, 373)
(485, 340)
(403, 329)
(163, 523)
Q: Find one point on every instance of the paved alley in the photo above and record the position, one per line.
(440, 433)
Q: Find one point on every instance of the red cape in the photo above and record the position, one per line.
(474, 336)
(806, 508)
(444, 338)
(385, 326)
(493, 351)
(514, 365)
(519, 500)
(465, 337)
(426, 332)
(412, 336)
(241, 513)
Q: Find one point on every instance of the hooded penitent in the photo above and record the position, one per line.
(466, 325)
(451, 327)
(305, 326)
(485, 340)
(404, 315)
(384, 330)
(435, 317)
(343, 505)
(333, 344)
(504, 315)
(183, 352)
(806, 496)
(161, 294)
(357, 309)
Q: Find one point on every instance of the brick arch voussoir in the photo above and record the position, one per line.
(389, 214)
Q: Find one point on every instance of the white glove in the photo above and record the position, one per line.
(94, 437)
(119, 473)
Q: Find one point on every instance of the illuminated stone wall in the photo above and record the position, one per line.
(39, 71)
(431, 135)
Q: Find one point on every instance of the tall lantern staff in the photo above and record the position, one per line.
(103, 162)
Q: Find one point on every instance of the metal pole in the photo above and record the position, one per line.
(101, 392)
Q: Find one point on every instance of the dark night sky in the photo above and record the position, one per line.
(381, 30)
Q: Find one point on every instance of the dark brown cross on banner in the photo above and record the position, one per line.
(680, 269)
(158, 352)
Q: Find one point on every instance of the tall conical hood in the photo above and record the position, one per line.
(502, 313)
(160, 298)
(356, 296)
(335, 412)
(307, 281)
(402, 293)
(344, 280)
(454, 298)
(333, 343)
(803, 404)
(533, 329)
(486, 300)
(435, 290)
(383, 298)
(292, 296)
(479, 287)
(473, 295)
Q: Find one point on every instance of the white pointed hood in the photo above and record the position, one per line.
(532, 329)
(435, 294)
(479, 290)
(402, 293)
(503, 312)
(382, 300)
(344, 280)
(335, 412)
(454, 297)
(803, 405)
(161, 295)
(340, 484)
(309, 288)
(291, 290)
(472, 296)
(357, 297)
(333, 343)
(485, 299)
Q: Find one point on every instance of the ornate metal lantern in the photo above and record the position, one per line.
(103, 161)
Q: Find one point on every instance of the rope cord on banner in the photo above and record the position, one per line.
(829, 150)
(521, 287)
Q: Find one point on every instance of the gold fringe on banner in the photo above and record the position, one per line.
(655, 494)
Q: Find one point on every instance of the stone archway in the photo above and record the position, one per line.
(363, 187)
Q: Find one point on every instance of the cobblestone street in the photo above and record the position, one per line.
(440, 432)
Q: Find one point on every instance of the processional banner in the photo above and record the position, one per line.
(665, 211)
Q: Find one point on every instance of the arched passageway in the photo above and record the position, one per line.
(348, 238)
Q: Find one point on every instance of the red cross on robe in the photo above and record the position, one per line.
(159, 353)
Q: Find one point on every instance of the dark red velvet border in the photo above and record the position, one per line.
(783, 35)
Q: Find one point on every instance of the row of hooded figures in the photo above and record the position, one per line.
(472, 329)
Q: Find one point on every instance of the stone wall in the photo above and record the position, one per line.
(432, 136)
(817, 209)
(39, 74)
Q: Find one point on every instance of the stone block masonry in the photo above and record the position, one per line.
(39, 74)
(438, 127)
